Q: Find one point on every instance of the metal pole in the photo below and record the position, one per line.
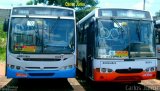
(144, 2)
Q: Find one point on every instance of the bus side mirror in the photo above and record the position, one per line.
(6, 25)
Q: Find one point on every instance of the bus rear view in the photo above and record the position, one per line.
(41, 43)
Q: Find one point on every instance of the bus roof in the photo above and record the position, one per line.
(96, 13)
(35, 10)
(47, 6)
(123, 9)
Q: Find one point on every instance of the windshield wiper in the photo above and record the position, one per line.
(138, 30)
(123, 30)
(119, 26)
(115, 21)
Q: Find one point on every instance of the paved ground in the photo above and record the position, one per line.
(2, 69)
(72, 84)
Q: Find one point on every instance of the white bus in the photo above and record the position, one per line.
(41, 42)
(116, 45)
(157, 31)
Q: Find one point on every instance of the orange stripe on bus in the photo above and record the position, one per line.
(125, 77)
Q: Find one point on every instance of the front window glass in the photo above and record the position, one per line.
(30, 35)
(124, 38)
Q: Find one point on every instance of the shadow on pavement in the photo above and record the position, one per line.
(38, 85)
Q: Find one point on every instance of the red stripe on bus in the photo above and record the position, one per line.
(125, 77)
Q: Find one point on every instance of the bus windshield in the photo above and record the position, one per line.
(123, 38)
(37, 35)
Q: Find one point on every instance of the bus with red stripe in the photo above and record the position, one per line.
(157, 37)
(116, 45)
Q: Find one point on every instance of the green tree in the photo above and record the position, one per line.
(83, 12)
(2, 42)
(30, 2)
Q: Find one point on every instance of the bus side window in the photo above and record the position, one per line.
(85, 32)
(157, 36)
(80, 35)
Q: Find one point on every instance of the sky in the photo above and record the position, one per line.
(10, 3)
(151, 5)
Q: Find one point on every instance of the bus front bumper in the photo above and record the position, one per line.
(116, 77)
(68, 73)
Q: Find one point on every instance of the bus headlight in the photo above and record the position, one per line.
(103, 69)
(108, 70)
(12, 66)
(18, 67)
(15, 67)
(150, 69)
(67, 67)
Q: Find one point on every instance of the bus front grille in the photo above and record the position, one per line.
(129, 70)
(40, 59)
(33, 68)
(50, 67)
(41, 74)
(38, 68)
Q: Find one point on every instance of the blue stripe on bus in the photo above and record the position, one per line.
(69, 73)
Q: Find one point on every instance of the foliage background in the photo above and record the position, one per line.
(2, 41)
(4, 14)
